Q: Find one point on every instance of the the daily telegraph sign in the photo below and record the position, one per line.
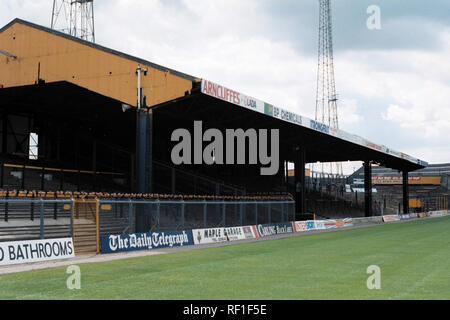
(35, 251)
(145, 241)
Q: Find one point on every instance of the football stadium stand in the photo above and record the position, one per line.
(73, 133)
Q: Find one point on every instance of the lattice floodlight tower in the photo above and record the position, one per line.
(75, 17)
(326, 97)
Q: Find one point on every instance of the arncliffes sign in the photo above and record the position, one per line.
(35, 251)
(145, 241)
(220, 92)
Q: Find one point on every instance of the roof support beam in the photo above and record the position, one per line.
(368, 188)
(9, 55)
(405, 192)
(299, 163)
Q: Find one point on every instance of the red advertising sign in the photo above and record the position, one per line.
(391, 218)
(221, 92)
(373, 146)
(299, 226)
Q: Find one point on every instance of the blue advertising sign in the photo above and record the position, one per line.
(319, 224)
(172, 239)
(145, 241)
(319, 126)
(310, 225)
(126, 242)
(405, 217)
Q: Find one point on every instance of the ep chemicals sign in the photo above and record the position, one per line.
(35, 251)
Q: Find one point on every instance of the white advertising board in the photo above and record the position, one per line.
(35, 251)
(215, 235)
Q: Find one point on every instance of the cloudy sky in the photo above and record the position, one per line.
(393, 82)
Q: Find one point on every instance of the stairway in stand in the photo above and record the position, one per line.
(85, 227)
(85, 236)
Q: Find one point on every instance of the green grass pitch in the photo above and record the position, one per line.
(414, 258)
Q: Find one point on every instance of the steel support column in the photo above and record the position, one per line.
(299, 183)
(5, 132)
(405, 192)
(141, 149)
(94, 164)
(2, 173)
(141, 181)
(174, 181)
(149, 153)
(144, 164)
(368, 188)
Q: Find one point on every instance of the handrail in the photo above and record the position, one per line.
(110, 201)
(94, 195)
(9, 55)
(9, 165)
(200, 176)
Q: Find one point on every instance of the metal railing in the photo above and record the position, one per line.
(166, 215)
(31, 219)
(27, 177)
(170, 179)
(40, 218)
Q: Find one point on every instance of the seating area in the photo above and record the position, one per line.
(278, 196)
(16, 233)
(332, 205)
(38, 177)
(22, 221)
(391, 196)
